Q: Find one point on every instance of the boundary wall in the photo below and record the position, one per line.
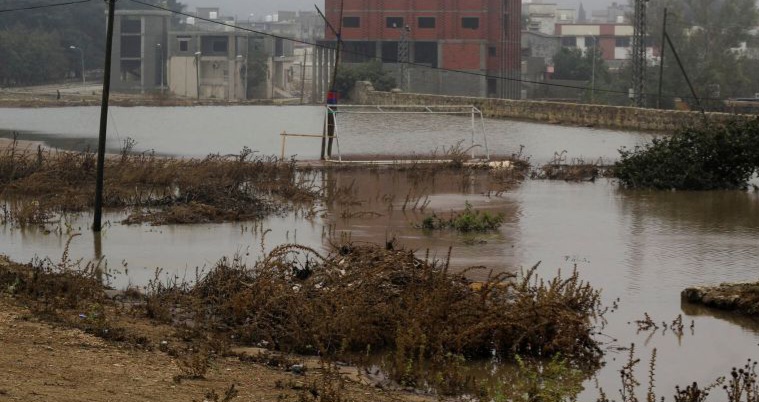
(612, 117)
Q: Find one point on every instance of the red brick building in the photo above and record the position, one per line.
(475, 36)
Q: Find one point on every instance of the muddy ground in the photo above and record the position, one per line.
(44, 361)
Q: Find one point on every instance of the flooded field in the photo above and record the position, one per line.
(641, 247)
(202, 130)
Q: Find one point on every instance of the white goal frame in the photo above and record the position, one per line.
(473, 111)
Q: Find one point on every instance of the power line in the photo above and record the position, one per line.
(375, 57)
(44, 6)
(471, 73)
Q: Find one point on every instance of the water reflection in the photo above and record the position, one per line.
(749, 324)
(377, 206)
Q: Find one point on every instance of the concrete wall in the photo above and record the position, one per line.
(184, 81)
(615, 117)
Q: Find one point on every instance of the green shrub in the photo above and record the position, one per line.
(469, 220)
(708, 157)
(371, 71)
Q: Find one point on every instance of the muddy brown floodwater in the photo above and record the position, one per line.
(642, 247)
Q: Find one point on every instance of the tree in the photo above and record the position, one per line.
(348, 75)
(31, 56)
(81, 25)
(257, 67)
(581, 16)
(705, 34)
(574, 64)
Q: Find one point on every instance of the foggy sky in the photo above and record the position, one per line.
(243, 8)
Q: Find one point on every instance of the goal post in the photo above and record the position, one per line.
(477, 130)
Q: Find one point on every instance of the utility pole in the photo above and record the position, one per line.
(329, 133)
(593, 77)
(685, 75)
(97, 225)
(661, 57)
(639, 54)
(403, 57)
(163, 58)
(303, 75)
(197, 73)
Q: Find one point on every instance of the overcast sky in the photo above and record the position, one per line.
(243, 8)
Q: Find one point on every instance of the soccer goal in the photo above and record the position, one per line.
(405, 119)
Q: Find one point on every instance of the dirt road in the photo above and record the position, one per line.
(41, 361)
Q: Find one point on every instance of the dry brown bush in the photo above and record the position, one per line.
(363, 297)
(159, 190)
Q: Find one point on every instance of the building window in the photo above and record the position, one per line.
(426, 22)
(279, 47)
(131, 71)
(214, 45)
(394, 22)
(492, 87)
(590, 41)
(220, 45)
(492, 52)
(131, 26)
(359, 52)
(131, 46)
(470, 23)
(623, 42)
(425, 53)
(351, 22)
(569, 41)
(184, 45)
(389, 52)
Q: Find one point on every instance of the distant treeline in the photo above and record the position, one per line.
(35, 44)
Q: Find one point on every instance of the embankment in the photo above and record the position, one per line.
(50, 101)
(614, 117)
(740, 297)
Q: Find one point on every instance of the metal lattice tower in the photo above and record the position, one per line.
(403, 57)
(639, 54)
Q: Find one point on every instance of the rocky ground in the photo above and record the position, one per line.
(739, 297)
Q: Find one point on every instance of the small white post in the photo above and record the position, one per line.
(284, 139)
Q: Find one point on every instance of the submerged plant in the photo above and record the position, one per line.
(552, 380)
(469, 220)
(706, 157)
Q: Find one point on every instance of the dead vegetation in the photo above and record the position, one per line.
(157, 190)
(741, 385)
(366, 299)
(39, 187)
(576, 169)
(358, 300)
